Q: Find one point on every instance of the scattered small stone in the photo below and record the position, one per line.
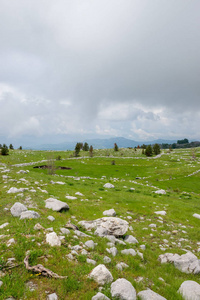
(110, 213)
(52, 297)
(129, 251)
(196, 216)
(109, 186)
(71, 197)
(65, 231)
(51, 218)
(90, 244)
(162, 212)
(4, 225)
(112, 251)
(106, 260)
(120, 266)
(91, 261)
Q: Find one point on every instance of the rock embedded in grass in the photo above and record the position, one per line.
(90, 244)
(123, 289)
(128, 251)
(130, 239)
(52, 239)
(101, 275)
(56, 205)
(109, 186)
(29, 214)
(107, 226)
(110, 213)
(162, 212)
(71, 197)
(196, 216)
(52, 297)
(186, 263)
(100, 296)
(161, 192)
(120, 266)
(190, 290)
(17, 209)
(150, 295)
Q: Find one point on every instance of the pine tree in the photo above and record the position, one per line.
(85, 147)
(11, 147)
(116, 148)
(148, 151)
(156, 149)
(4, 150)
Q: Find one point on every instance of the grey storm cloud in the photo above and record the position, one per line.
(95, 63)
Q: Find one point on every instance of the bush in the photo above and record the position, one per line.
(4, 150)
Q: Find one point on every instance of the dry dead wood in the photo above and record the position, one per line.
(41, 270)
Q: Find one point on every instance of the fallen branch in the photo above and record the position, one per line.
(41, 270)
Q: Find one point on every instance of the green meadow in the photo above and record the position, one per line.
(135, 178)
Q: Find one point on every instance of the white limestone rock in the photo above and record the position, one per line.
(161, 212)
(65, 231)
(123, 289)
(112, 250)
(90, 244)
(128, 252)
(14, 190)
(107, 226)
(196, 216)
(186, 263)
(29, 214)
(71, 197)
(56, 205)
(4, 225)
(106, 260)
(51, 218)
(91, 261)
(52, 297)
(17, 209)
(110, 213)
(120, 266)
(109, 186)
(161, 192)
(190, 290)
(101, 275)
(150, 295)
(52, 239)
(100, 296)
(130, 239)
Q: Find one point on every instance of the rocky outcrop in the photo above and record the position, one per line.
(107, 226)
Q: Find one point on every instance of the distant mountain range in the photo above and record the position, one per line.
(100, 144)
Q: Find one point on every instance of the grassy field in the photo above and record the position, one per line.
(175, 172)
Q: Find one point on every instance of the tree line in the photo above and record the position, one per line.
(4, 149)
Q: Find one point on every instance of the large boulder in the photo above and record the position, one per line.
(190, 290)
(123, 289)
(186, 263)
(107, 226)
(56, 205)
(150, 295)
(101, 275)
(17, 209)
(29, 214)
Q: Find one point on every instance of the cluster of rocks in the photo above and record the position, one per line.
(186, 263)
(20, 210)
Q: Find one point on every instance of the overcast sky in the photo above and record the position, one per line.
(85, 68)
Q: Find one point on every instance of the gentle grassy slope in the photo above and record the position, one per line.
(88, 175)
